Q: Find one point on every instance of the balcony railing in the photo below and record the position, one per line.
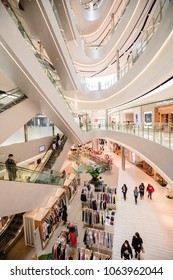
(31, 176)
(135, 51)
(160, 133)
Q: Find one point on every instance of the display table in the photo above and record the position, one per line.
(78, 168)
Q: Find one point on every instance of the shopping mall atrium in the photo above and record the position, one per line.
(96, 75)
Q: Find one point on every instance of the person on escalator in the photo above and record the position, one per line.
(11, 167)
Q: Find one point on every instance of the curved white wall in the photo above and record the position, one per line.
(21, 197)
(15, 117)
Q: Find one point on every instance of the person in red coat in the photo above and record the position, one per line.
(150, 190)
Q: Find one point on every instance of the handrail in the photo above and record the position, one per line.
(10, 98)
(37, 176)
(13, 240)
(86, 6)
(160, 133)
(30, 176)
(61, 29)
(44, 61)
(55, 154)
(109, 28)
(7, 240)
(4, 228)
(135, 50)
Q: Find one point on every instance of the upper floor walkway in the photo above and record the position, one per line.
(160, 133)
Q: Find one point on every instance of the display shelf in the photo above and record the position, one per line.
(71, 187)
(35, 219)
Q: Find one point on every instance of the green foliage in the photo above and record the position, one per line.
(46, 257)
(94, 171)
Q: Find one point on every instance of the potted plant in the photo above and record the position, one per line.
(94, 171)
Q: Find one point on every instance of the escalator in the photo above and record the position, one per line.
(10, 234)
(53, 157)
(13, 229)
(10, 98)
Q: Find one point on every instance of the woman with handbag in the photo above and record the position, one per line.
(126, 251)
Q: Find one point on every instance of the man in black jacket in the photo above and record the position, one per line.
(11, 168)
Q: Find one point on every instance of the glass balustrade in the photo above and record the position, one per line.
(45, 63)
(31, 176)
(109, 29)
(135, 51)
(91, 5)
(160, 133)
(45, 176)
(10, 98)
(157, 132)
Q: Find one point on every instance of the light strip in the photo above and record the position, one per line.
(152, 93)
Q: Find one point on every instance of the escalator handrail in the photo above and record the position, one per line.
(5, 227)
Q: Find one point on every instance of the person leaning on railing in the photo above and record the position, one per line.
(11, 168)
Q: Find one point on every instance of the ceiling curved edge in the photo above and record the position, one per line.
(83, 17)
(96, 57)
(143, 76)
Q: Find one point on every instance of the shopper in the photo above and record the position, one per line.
(141, 190)
(137, 245)
(54, 147)
(100, 182)
(63, 174)
(126, 251)
(57, 140)
(11, 168)
(136, 193)
(64, 214)
(124, 191)
(150, 190)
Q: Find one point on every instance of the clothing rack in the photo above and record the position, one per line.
(95, 204)
(66, 243)
(60, 250)
(45, 219)
(101, 238)
(87, 254)
(108, 197)
(108, 189)
(71, 186)
(92, 217)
